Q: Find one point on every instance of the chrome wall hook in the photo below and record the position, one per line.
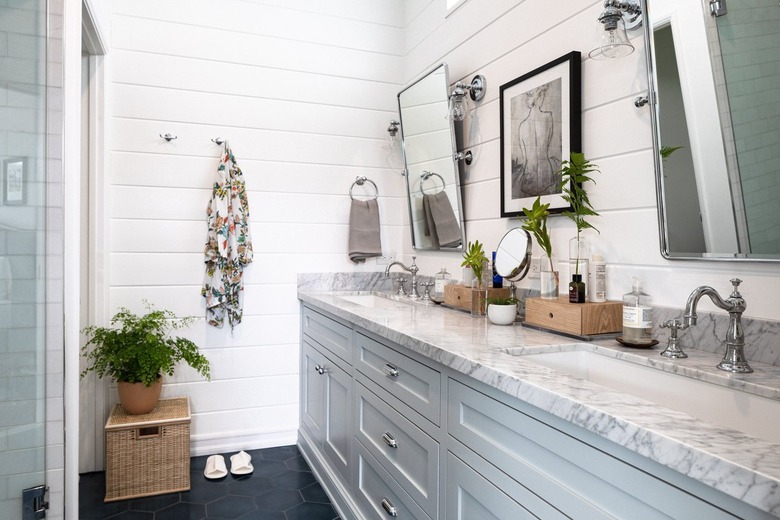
(218, 140)
(169, 137)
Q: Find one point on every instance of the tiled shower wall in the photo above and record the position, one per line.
(748, 40)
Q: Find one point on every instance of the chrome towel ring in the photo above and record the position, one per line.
(426, 175)
(359, 181)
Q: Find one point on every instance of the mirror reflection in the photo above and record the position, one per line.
(718, 128)
(513, 255)
(432, 179)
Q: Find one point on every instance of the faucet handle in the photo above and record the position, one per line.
(400, 281)
(427, 296)
(735, 282)
(673, 349)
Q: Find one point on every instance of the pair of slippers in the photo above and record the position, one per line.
(240, 464)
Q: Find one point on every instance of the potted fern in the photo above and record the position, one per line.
(136, 351)
(535, 222)
(574, 174)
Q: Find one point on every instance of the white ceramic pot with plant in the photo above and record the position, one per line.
(138, 353)
(502, 311)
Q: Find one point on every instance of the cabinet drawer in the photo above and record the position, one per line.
(576, 478)
(329, 333)
(381, 496)
(469, 495)
(403, 449)
(413, 383)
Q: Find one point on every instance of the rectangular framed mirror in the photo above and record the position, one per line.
(716, 128)
(433, 184)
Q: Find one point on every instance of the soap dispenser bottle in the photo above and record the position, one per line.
(442, 278)
(637, 316)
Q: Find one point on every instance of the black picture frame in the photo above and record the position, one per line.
(540, 114)
(13, 181)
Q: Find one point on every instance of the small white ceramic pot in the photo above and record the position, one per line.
(502, 314)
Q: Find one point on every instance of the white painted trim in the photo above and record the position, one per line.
(454, 5)
(71, 102)
(91, 33)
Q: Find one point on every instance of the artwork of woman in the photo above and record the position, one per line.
(537, 147)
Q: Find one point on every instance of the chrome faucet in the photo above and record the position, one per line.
(413, 269)
(734, 359)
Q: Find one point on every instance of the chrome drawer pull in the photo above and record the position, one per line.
(389, 440)
(390, 370)
(389, 507)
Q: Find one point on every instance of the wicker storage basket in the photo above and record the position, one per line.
(148, 454)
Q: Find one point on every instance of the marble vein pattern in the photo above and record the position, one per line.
(737, 464)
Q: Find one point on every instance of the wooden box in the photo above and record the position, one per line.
(459, 296)
(148, 454)
(582, 319)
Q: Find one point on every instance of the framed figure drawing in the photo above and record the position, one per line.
(13, 177)
(540, 127)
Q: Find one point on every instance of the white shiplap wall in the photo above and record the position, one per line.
(304, 91)
(504, 39)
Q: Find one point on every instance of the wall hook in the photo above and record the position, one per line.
(169, 137)
(218, 140)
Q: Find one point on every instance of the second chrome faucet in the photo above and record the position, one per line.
(734, 359)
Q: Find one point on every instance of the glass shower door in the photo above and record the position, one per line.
(23, 146)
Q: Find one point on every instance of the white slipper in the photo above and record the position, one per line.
(215, 467)
(241, 463)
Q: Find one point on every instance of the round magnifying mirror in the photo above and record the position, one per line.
(513, 255)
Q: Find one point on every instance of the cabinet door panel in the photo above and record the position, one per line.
(312, 390)
(338, 419)
(471, 496)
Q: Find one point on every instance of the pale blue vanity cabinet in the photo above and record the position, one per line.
(392, 433)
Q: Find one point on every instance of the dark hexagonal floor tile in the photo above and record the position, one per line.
(155, 503)
(315, 493)
(311, 511)
(280, 453)
(263, 515)
(249, 486)
(297, 463)
(294, 480)
(278, 499)
(230, 507)
(204, 492)
(182, 511)
(268, 468)
(134, 515)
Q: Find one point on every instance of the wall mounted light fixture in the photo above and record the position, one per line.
(476, 90)
(611, 38)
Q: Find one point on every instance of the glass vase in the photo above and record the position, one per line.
(478, 296)
(579, 254)
(549, 278)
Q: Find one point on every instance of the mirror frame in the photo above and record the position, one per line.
(455, 162)
(652, 103)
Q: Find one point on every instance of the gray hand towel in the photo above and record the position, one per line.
(440, 220)
(364, 240)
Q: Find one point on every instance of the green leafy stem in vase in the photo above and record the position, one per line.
(574, 174)
(475, 258)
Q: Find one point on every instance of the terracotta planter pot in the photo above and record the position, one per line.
(136, 398)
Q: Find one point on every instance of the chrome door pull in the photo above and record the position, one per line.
(389, 440)
(390, 370)
(389, 507)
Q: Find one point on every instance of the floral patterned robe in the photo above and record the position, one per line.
(228, 246)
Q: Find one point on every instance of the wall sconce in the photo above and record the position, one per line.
(476, 90)
(611, 38)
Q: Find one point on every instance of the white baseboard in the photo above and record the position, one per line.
(209, 445)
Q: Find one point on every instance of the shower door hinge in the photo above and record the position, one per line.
(718, 7)
(35, 502)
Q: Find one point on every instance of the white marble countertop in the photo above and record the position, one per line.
(745, 467)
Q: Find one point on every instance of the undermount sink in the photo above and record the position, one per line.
(727, 407)
(375, 301)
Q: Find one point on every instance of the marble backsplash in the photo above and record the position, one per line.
(762, 337)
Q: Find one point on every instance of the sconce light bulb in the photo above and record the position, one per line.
(458, 110)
